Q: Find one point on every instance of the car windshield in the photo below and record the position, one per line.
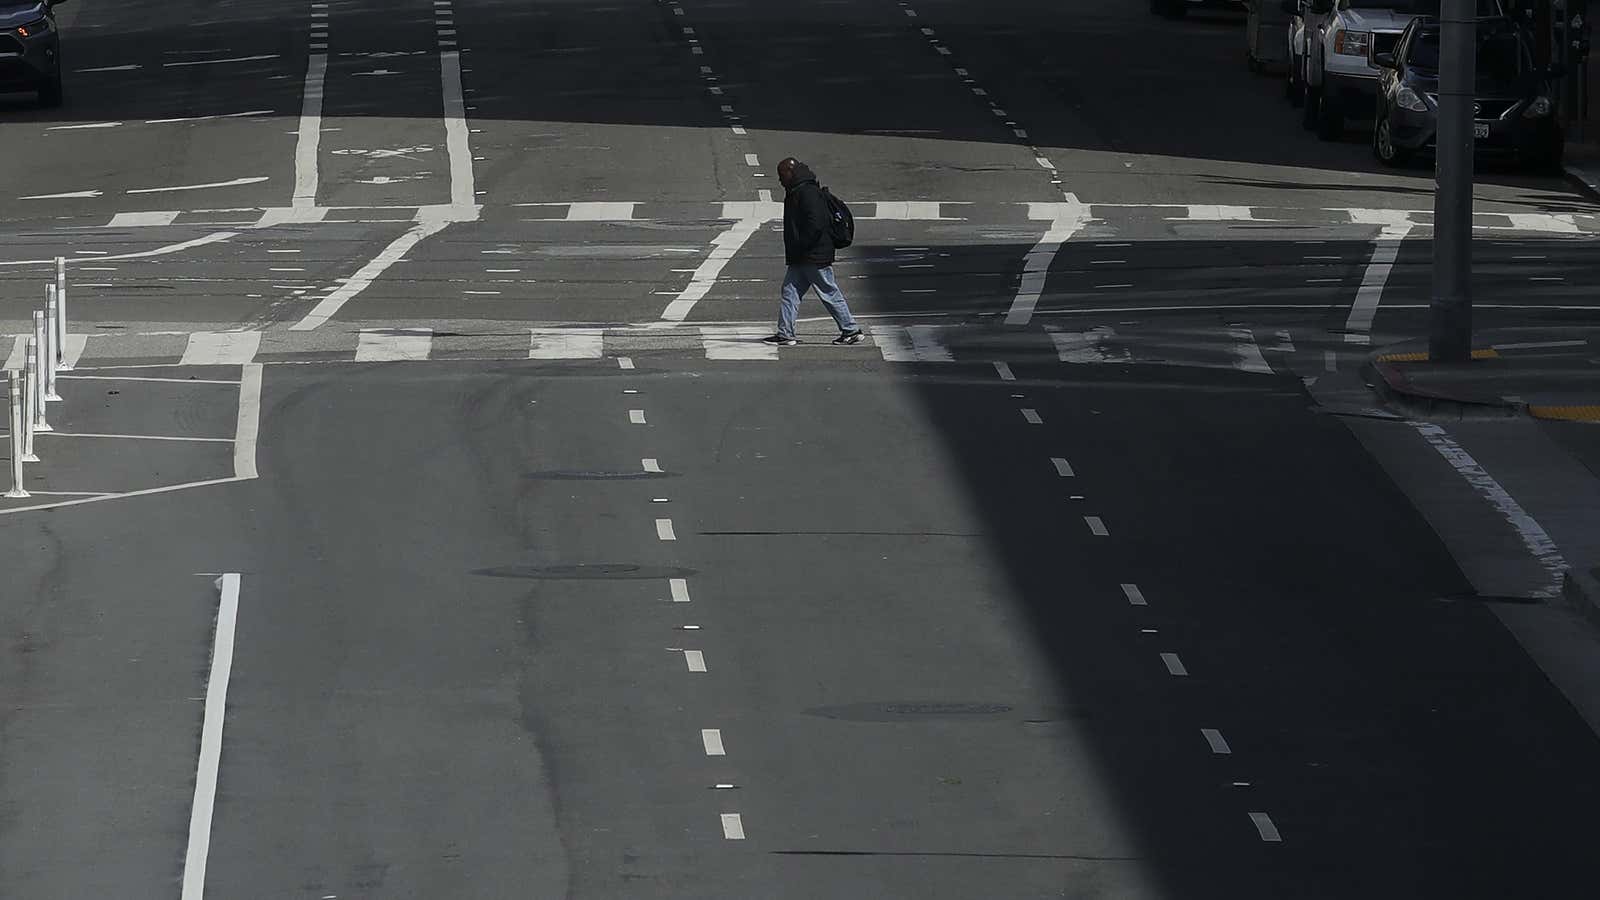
(1502, 59)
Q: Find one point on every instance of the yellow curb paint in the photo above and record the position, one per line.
(1423, 356)
(1566, 413)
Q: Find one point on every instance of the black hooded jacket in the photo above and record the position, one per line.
(806, 240)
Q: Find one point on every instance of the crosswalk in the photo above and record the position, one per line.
(1257, 351)
(888, 211)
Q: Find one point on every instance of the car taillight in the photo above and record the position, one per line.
(34, 28)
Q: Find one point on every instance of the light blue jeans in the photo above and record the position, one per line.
(800, 279)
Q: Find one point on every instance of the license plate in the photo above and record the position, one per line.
(1480, 130)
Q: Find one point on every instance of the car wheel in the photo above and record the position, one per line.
(1383, 145)
(50, 93)
(1330, 118)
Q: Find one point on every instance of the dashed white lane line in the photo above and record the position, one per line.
(651, 465)
(1097, 526)
(205, 783)
(247, 426)
(1218, 744)
(1031, 416)
(695, 660)
(712, 739)
(1004, 372)
(732, 827)
(1384, 251)
(680, 590)
(636, 416)
(1174, 664)
(1134, 595)
(1265, 827)
(664, 530)
(1063, 468)
(624, 362)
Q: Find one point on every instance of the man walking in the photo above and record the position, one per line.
(808, 250)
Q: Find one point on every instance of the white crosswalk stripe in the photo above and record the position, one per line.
(567, 343)
(1087, 347)
(394, 345)
(736, 342)
(911, 343)
(221, 348)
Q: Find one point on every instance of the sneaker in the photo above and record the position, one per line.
(848, 337)
(779, 340)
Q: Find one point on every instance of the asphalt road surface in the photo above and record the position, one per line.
(422, 518)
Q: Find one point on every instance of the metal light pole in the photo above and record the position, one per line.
(1450, 325)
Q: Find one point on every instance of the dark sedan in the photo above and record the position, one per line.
(1513, 112)
(30, 49)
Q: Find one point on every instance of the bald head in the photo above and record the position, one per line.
(786, 169)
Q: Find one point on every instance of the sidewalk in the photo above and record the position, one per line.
(1548, 380)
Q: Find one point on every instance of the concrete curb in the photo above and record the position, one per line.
(1396, 390)
(1583, 180)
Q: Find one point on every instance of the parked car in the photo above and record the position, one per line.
(1338, 37)
(1513, 109)
(30, 49)
(1177, 9)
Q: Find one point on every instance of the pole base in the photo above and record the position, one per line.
(17, 494)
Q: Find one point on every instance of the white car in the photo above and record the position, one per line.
(1332, 43)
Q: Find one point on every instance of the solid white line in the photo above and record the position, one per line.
(723, 248)
(1533, 535)
(1063, 468)
(140, 378)
(664, 530)
(369, 273)
(86, 126)
(182, 439)
(221, 348)
(1268, 831)
(205, 783)
(248, 427)
(567, 343)
(636, 416)
(680, 590)
(215, 62)
(394, 345)
(1004, 371)
(1218, 744)
(712, 739)
(1070, 219)
(463, 190)
(1097, 526)
(308, 144)
(651, 465)
(1174, 664)
(168, 250)
(1540, 345)
(600, 212)
(732, 827)
(1032, 417)
(146, 492)
(127, 68)
(1384, 251)
(695, 660)
(238, 115)
(237, 182)
(1134, 595)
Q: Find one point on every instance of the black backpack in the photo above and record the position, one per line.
(841, 224)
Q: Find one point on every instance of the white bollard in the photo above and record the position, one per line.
(47, 358)
(61, 315)
(36, 376)
(17, 430)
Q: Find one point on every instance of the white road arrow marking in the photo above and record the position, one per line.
(198, 187)
(70, 195)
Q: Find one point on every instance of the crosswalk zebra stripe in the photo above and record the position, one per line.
(394, 345)
(567, 343)
(736, 342)
(221, 348)
(911, 343)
